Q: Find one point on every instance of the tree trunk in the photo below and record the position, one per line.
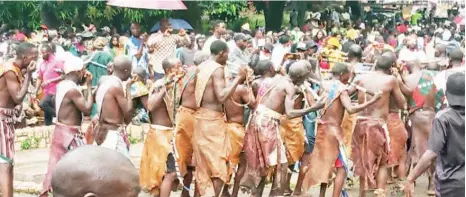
(302, 7)
(192, 14)
(273, 14)
(46, 15)
(355, 9)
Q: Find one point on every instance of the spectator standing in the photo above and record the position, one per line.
(446, 145)
(219, 30)
(164, 44)
(135, 48)
(238, 54)
(188, 52)
(49, 75)
(279, 52)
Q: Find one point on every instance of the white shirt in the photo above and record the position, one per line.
(208, 42)
(446, 35)
(408, 55)
(278, 53)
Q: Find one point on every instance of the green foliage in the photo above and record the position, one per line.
(30, 142)
(223, 10)
(133, 140)
(32, 13)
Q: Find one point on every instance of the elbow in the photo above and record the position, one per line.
(351, 111)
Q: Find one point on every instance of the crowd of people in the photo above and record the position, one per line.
(240, 109)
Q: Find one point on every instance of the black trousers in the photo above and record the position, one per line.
(47, 104)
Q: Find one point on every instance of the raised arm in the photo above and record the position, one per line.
(289, 104)
(346, 101)
(17, 91)
(84, 105)
(247, 96)
(221, 92)
(124, 102)
(155, 98)
(396, 93)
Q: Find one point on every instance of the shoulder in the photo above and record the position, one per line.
(442, 114)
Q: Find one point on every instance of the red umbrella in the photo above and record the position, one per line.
(149, 4)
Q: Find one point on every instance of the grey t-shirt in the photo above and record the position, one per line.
(187, 56)
(447, 141)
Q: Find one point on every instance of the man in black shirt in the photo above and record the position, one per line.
(446, 144)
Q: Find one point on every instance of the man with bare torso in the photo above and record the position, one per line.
(71, 106)
(263, 144)
(425, 99)
(184, 125)
(158, 168)
(114, 105)
(370, 136)
(235, 107)
(13, 88)
(210, 140)
(292, 130)
(329, 151)
(265, 70)
(397, 132)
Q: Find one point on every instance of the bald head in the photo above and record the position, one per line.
(95, 171)
(122, 67)
(457, 55)
(390, 55)
(355, 52)
(299, 71)
(263, 67)
(339, 69)
(384, 63)
(200, 57)
(170, 63)
(441, 49)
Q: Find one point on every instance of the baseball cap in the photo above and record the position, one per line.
(106, 29)
(302, 46)
(455, 89)
(72, 64)
(240, 36)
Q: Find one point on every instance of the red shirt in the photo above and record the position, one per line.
(402, 28)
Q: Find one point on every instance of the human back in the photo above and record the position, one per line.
(385, 83)
(272, 93)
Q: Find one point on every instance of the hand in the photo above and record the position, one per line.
(322, 100)
(31, 67)
(166, 32)
(88, 77)
(182, 32)
(242, 73)
(377, 95)
(408, 189)
(256, 51)
(134, 78)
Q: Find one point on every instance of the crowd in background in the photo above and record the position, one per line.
(323, 41)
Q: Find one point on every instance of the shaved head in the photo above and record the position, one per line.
(339, 69)
(122, 67)
(200, 57)
(355, 51)
(299, 71)
(169, 63)
(390, 55)
(95, 171)
(384, 63)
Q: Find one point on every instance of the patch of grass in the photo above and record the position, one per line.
(30, 142)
